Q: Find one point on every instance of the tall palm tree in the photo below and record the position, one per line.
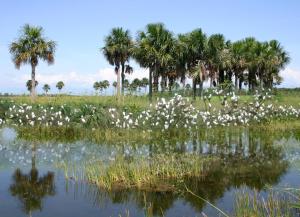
(277, 59)
(117, 51)
(191, 57)
(214, 53)
(155, 50)
(238, 63)
(31, 47)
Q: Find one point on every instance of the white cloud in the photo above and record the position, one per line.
(291, 78)
(83, 79)
(77, 82)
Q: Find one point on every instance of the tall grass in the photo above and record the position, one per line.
(161, 173)
(255, 205)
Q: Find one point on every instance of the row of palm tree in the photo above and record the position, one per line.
(46, 87)
(101, 85)
(169, 58)
(197, 56)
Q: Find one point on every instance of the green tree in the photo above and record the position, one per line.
(96, 86)
(60, 85)
(46, 88)
(191, 59)
(29, 85)
(105, 84)
(144, 83)
(29, 48)
(117, 51)
(115, 84)
(155, 50)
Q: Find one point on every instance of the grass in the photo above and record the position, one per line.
(160, 173)
(255, 205)
(282, 97)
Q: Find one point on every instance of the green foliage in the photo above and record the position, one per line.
(29, 85)
(60, 85)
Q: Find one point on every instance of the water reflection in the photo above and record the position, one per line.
(249, 158)
(31, 188)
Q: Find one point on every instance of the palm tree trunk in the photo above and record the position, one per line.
(236, 82)
(201, 89)
(150, 84)
(194, 89)
(118, 82)
(123, 77)
(156, 78)
(33, 93)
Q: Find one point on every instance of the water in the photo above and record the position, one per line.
(31, 184)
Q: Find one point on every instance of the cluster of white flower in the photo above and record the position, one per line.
(26, 115)
(178, 113)
(175, 113)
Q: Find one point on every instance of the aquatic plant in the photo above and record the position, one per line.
(256, 205)
(161, 172)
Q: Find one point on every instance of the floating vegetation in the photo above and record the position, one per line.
(156, 173)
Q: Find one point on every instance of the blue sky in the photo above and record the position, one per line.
(79, 28)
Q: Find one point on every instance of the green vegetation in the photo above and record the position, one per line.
(158, 173)
(276, 204)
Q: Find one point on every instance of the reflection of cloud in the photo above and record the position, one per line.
(291, 78)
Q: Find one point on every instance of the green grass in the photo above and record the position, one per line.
(255, 205)
(161, 173)
(282, 97)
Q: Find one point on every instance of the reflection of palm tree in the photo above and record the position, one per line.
(31, 189)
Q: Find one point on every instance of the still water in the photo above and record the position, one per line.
(31, 184)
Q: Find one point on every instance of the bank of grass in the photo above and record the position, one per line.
(115, 136)
(132, 102)
(158, 173)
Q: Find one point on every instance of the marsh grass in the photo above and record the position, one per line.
(281, 97)
(256, 205)
(114, 136)
(159, 173)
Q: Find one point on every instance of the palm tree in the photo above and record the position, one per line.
(144, 83)
(126, 84)
(214, 56)
(105, 84)
(238, 63)
(191, 49)
(46, 88)
(29, 85)
(275, 60)
(155, 50)
(60, 85)
(117, 51)
(31, 47)
(115, 84)
(96, 86)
